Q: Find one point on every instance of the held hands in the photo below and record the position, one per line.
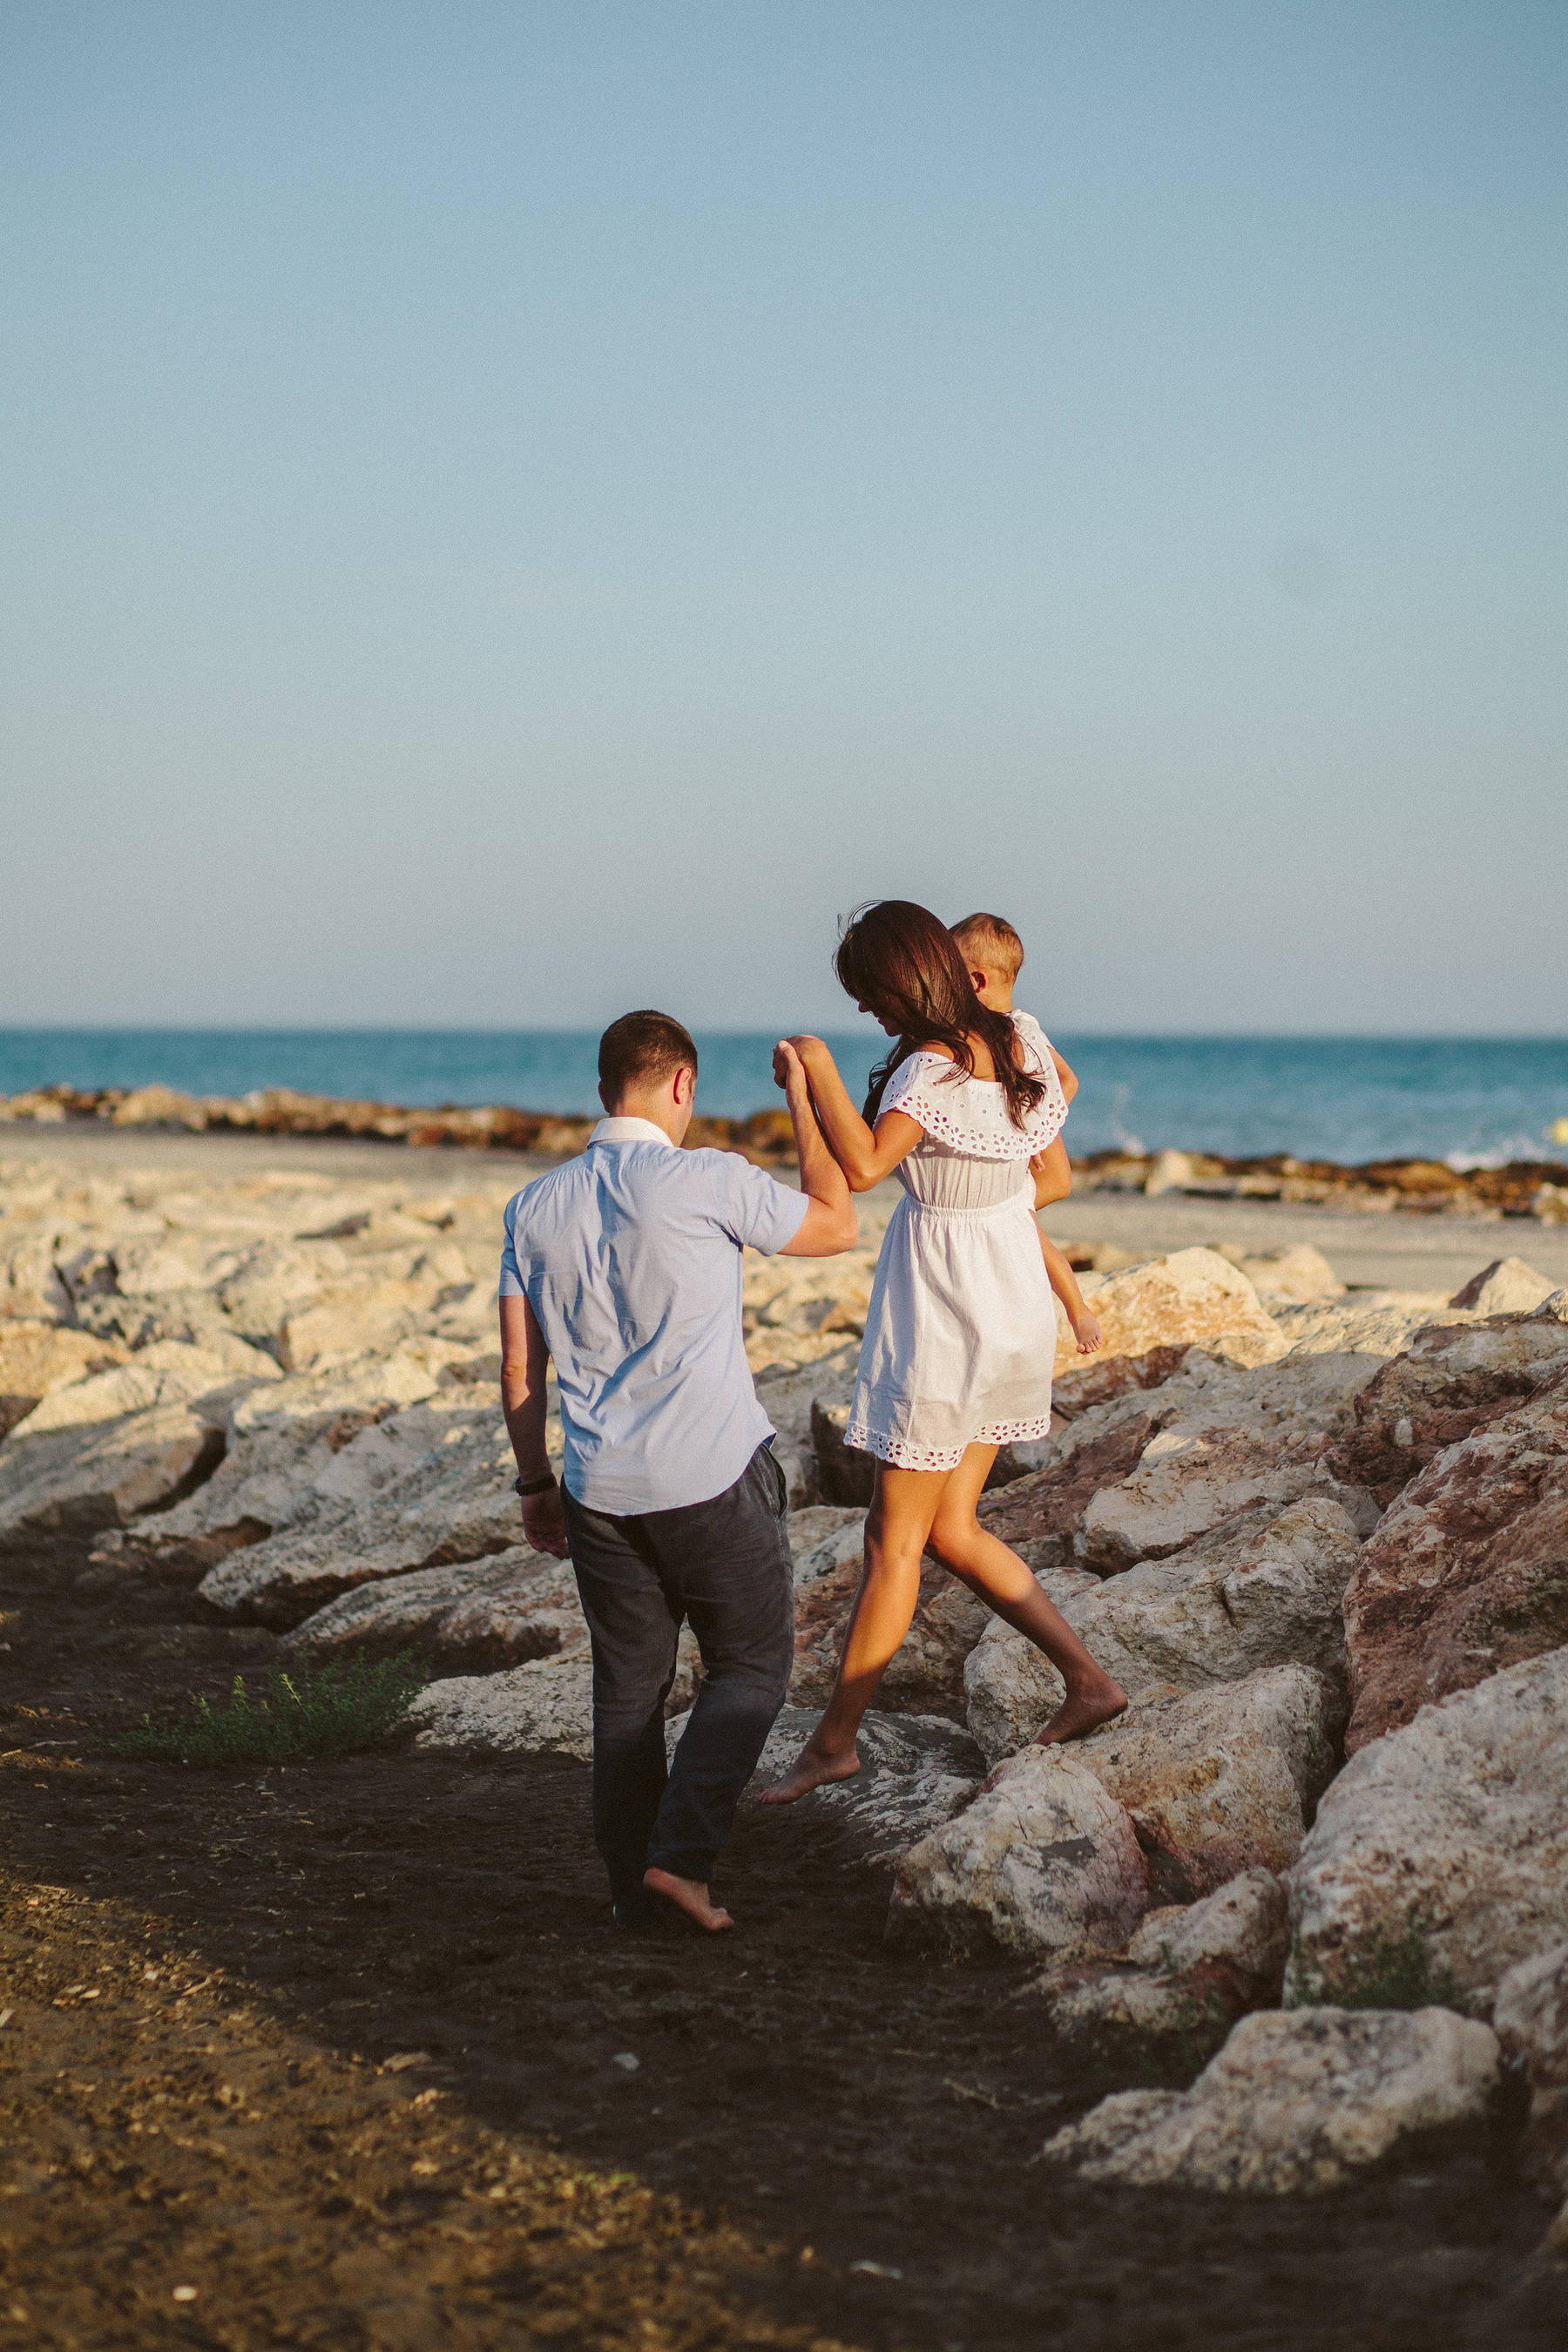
(789, 1068)
(544, 1523)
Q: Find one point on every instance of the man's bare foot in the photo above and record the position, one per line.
(1082, 1712)
(810, 1770)
(689, 1895)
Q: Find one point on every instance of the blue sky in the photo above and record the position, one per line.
(511, 511)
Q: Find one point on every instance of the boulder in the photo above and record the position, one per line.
(543, 1708)
(353, 1318)
(1441, 1851)
(916, 1772)
(37, 1357)
(470, 1617)
(1507, 1286)
(1042, 1861)
(1449, 1381)
(1288, 1277)
(1190, 1971)
(211, 1380)
(1192, 1295)
(1469, 1572)
(421, 1489)
(1531, 2021)
(1220, 1780)
(822, 1537)
(1263, 1589)
(1373, 1325)
(1190, 1480)
(1294, 2104)
(61, 1489)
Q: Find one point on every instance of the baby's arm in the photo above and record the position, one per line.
(1052, 1172)
(1086, 1328)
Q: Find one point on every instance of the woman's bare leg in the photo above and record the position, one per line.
(903, 1505)
(990, 1569)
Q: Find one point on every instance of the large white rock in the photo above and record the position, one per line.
(786, 1395)
(1042, 1861)
(1193, 1296)
(1190, 1970)
(61, 1489)
(38, 1358)
(427, 1485)
(1296, 2103)
(1218, 1780)
(1507, 1286)
(1452, 1833)
(543, 1708)
(470, 1617)
(1189, 1480)
(210, 1380)
(1263, 1590)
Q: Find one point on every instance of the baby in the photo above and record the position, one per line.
(995, 954)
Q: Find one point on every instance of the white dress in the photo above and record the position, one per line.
(960, 1332)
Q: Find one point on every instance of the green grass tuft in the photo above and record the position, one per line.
(1386, 1970)
(301, 1711)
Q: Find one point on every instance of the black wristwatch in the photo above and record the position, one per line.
(534, 1486)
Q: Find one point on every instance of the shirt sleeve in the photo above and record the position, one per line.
(758, 1212)
(511, 1284)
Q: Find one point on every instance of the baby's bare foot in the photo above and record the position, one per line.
(1082, 1712)
(689, 1895)
(811, 1768)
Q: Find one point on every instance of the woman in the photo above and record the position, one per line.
(961, 1332)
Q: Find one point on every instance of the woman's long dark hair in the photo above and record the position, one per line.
(899, 961)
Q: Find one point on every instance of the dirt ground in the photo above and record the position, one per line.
(337, 2055)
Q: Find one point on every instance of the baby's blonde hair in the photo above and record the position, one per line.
(991, 939)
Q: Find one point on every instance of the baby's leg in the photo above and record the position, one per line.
(897, 1527)
(995, 1573)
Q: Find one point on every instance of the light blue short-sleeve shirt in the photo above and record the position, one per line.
(630, 1258)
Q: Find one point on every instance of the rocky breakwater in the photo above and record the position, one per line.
(1536, 1187)
(1290, 1519)
(766, 1137)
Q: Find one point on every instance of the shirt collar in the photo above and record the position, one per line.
(629, 1130)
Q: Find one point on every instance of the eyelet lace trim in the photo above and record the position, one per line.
(861, 1438)
(973, 1117)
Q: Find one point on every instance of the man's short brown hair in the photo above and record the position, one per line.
(991, 939)
(642, 1049)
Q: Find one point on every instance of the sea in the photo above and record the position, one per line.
(1471, 1101)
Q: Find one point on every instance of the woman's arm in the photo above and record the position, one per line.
(1067, 1076)
(865, 1158)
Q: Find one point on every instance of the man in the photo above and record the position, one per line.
(624, 1267)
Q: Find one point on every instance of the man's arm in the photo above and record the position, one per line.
(830, 1224)
(524, 1365)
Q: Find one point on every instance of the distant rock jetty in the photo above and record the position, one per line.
(1537, 1187)
(281, 1110)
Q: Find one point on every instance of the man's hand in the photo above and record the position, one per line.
(544, 1523)
(788, 1064)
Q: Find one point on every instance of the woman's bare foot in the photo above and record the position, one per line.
(1084, 1711)
(810, 1770)
(689, 1895)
